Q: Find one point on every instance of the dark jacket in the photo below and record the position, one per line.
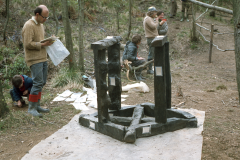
(130, 52)
(17, 94)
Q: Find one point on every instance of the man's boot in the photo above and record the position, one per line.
(150, 71)
(187, 18)
(182, 17)
(40, 109)
(138, 76)
(32, 109)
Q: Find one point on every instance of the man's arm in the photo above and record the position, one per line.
(152, 25)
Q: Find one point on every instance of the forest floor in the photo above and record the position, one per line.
(209, 87)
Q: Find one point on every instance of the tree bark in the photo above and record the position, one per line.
(118, 19)
(236, 19)
(3, 105)
(130, 19)
(55, 17)
(80, 35)
(194, 36)
(68, 34)
(212, 7)
(5, 26)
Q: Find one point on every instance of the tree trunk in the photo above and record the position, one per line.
(55, 16)
(3, 105)
(68, 34)
(80, 35)
(118, 20)
(212, 7)
(194, 36)
(5, 26)
(236, 19)
(130, 19)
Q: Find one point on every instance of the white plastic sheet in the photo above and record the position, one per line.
(57, 52)
(136, 87)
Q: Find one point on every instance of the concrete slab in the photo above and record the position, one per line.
(75, 142)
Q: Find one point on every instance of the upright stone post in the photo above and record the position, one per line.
(160, 79)
(168, 77)
(101, 71)
(114, 76)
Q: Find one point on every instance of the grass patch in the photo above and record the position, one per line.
(67, 77)
(221, 87)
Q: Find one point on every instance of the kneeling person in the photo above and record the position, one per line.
(22, 86)
(130, 53)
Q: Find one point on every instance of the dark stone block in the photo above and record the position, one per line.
(179, 114)
(148, 109)
(159, 41)
(105, 43)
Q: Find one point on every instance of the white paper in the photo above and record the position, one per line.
(93, 104)
(81, 99)
(57, 52)
(122, 100)
(80, 106)
(76, 95)
(66, 93)
(59, 98)
(124, 96)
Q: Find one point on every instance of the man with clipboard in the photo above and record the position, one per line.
(36, 56)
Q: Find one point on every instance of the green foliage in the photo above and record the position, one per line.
(14, 62)
(193, 45)
(66, 76)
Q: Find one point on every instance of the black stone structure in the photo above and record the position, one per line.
(147, 119)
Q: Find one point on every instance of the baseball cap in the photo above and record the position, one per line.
(152, 9)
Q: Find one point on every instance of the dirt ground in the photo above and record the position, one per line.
(209, 87)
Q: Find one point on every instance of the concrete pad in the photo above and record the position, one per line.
(75, 142)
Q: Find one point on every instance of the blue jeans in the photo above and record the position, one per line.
(39, 76)
(151, 49)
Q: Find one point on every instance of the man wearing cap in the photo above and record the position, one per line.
(150, 27)
(36, 56)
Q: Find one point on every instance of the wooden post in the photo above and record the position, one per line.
(211, 43)
(160, 109)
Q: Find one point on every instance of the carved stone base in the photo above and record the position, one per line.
(132, 122)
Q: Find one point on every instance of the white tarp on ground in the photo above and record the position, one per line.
(81, 102)
(75, 142)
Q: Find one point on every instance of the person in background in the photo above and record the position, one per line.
(22, 86)
(173, 8)
(36, 57)
(162, 27)
(150, 25)
(185, 6)
(130, 53)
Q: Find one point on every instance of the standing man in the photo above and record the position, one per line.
(36, 57)
(150, 25)
(185, 6)
(173, 8)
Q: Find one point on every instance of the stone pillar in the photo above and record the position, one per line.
(101, 71)
(114, 76)
(168, 77)
(160, 79)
